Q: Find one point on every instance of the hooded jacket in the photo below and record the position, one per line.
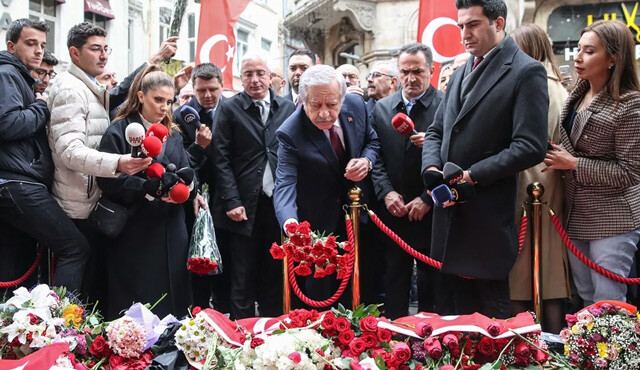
(24, 151)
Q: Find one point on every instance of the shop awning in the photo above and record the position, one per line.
(100, 7)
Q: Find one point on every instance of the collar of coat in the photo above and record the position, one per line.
(98, 89)
(426, 99)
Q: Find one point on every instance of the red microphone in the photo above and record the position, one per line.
(403, 124)
(179, 193)
(151, 146)
(158, 130)
(155, 170)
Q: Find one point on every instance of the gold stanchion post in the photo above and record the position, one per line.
(536, 190)
(354, 212)
(286, 288)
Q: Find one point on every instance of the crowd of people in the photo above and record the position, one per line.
(500, 112)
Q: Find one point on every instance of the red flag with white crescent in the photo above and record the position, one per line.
(216, 37)
(438, 29)
(41, 359)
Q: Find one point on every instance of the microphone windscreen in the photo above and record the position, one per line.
(452, 173)
(153, 187)
(463, 191)
(158, 130)
(189, 115)
(186, 174)
(432, 178)
(403, 124)
(155, 170)
(179, 193)
(134, 133)
(441, 195)
(151, 146)
(169, 179)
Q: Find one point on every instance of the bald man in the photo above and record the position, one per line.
(351, 76)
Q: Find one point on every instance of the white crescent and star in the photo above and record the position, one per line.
(205, 50)
(430, 31)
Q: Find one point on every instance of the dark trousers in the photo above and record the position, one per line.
(488, 297)
(31, 209)
(18, 252)
(94, 282)
(255, 275)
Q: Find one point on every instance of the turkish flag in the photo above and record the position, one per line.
(216, 37)
(438, 29)
(41, 359)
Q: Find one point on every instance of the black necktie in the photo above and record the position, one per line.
(337, 146)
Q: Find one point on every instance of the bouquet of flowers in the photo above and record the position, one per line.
(204, 255)
(313, 254)
(603, 336)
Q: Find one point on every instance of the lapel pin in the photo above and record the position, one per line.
(350, 119)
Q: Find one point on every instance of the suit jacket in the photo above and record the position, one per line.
(310, 185)
(242, 145)
(371, 103)
(492, 121)
(602, 197)
(201, 159)
(289, 96)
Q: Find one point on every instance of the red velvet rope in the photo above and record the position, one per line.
(600, 270)
(523, 231)
(406, 247)
(343, 285)
(23, 278)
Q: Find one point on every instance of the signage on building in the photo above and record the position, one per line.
(566, 22)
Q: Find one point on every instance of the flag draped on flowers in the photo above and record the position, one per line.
(216, 37)
(438, 29)
(42, 359)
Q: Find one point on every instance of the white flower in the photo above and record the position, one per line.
(369, 364)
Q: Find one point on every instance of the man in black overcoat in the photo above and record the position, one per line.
(493, 124)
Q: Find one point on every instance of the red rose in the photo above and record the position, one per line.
(99, 347)
(357, 346)
(147, 356)
(433, 347)
(277, 252)
(423, 329)
(522, 361)
(369, 324)
(451, 341)
(384, 335)
(343, 273)
(342, 324)
(370, 339)
(196, 310)
(486, 346)
(33, 319)
(494, 329)
(346, 336)
(328, 333)
(522, 349)
(418, 366)
(540, 357)
(402, 352)
(115, 360)
(255, 341)
(329, 320)
(472, 367)
(303, 269)
(295, 357)
(330, 269)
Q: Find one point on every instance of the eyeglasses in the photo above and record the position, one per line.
(375, 75)
(273, 74)
(349, 76)
(43, 72)
(97, 49)
(249, 74)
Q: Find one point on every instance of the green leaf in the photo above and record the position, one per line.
(341, 309)
(359, 312)
(380, 363)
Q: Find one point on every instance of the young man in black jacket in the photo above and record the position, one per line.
(26, 167)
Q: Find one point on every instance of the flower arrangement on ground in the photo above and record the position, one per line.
(603, 336)
(317, 255)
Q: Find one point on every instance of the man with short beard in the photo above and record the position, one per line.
(45, 72)
(299, 61)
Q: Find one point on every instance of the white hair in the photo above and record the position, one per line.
(321, 74)
(255, 56)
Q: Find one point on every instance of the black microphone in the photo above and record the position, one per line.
(189, 115)
(452, 173)
(463, 191)
(432, 178)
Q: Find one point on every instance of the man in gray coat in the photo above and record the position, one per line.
(493, 124)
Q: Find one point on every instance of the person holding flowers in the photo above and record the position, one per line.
(148, 258)
(599, 155)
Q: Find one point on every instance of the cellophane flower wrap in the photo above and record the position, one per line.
(603, 336)
(313, 254)
(204, 255)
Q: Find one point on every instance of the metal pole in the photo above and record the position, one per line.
(354, 196)
(536, 190)
(286, 288)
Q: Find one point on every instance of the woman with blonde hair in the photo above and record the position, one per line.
(554, 266)
(148, 258)
(599, 156)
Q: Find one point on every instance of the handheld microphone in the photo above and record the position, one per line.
(432, 178)
(134, 134)
(160, 131)
(463, 191)
(452, 173)
(403, 124)
(151, 146)
(155, 170)
(189, 115)
(442, 195)
(186, 175)
(179, 193)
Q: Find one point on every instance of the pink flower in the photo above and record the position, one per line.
(402, 352)
(423, 329)
(295, 357)
(565, 335)
(494, 329)
(447, 367)
(613, 352)
(636, 327)
(126, 337)
(585, 317)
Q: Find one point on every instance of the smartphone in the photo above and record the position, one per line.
(564, 70)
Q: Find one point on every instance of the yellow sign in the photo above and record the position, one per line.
(629, 17)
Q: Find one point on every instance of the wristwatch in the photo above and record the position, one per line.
(370, 167)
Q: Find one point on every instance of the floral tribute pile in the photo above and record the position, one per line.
(605, 335)
(313, 254)
(36, 319)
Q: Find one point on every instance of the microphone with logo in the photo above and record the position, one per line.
(134, 133)
(453, 189)
(403, 124)
(189, 116)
